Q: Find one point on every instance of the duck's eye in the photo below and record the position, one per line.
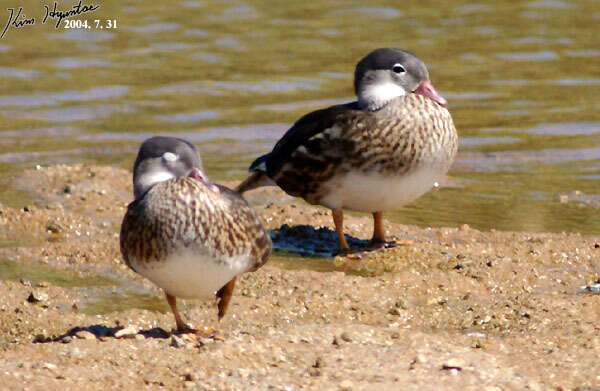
(169, 156)
(398, 68)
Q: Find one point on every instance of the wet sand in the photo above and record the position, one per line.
(453, 308)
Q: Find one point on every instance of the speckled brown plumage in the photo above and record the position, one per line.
(185, 213)
(409, 132)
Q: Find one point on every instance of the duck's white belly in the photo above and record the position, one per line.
(190, 275)
(373, 192)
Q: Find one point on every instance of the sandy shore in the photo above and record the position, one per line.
(454, 309)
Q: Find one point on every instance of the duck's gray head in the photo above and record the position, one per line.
(385, 74)
(160, 159)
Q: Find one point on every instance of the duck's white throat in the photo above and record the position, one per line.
(150, 178)
(375, 96)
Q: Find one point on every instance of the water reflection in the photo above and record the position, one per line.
(469, 142)
(486, 30)
(227, 42)
(203, 115)
(240, 133)
(153, 28)
(516, 160)
(304, 104)
(222, 87)
(196, 33)
(556, 129)
(512, 82)
(550, 4)
(193, 4)
(470, 95)
(41, 132)
(171, 46)
(380, 12)
(473, 8)
(521, 79)
(582, 53)
(577, 82)
(540, 41)
(566, 129)
(81, 35)
(206, 57)
(70, 114)
(240, 12)
(18, 73)
(54, 98)
(528, 56)
(71, 63)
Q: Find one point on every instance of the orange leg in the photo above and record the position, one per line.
(224, 295)
(378, 231)
(181, 326)
(378, 240)
(338, 221)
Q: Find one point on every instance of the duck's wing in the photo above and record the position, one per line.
(325, 121)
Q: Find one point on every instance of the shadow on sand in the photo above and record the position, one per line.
(101, 332)
(307, 240)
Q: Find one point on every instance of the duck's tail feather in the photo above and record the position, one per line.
(258, 176)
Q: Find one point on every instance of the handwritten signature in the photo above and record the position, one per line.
(20, 19)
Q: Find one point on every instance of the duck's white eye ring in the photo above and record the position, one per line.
(398, 68)
(169, 156)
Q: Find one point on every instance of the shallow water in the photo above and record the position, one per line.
(122, 300)
(106, 295)
(37, 273)
(521, 78)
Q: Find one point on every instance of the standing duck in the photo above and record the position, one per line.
(375, 154)
(187, 235)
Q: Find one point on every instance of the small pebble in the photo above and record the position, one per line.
(49, 366)
(592, 288)
(346, 385)
(453, 363)
(127, 332)
(74, 352)
(563, 198)
(39, 338)
(36, 297)
(400, 303)
(319, 363)
(177, 342)
(84, 334)
(25, 282)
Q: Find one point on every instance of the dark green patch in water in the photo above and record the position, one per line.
(35, 272)
(291, 261)
(10, 243)
(14, 198)
(122, 301)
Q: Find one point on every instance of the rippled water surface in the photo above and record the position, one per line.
(522, 79)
